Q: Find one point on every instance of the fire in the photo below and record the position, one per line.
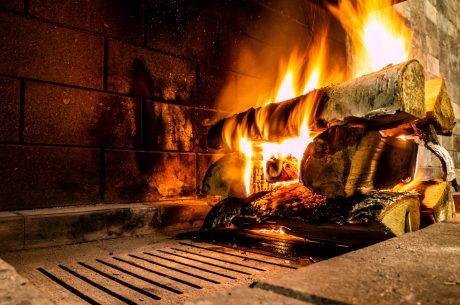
(378, 34)
(379, 38)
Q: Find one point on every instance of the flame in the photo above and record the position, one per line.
(378, 38)
(378, 34)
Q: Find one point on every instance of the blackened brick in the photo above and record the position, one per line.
(115, 18)
(175, 28)
(9, 109)
(203, 120)
(143, 176)
(214, 84)
(150, 74)
(61, 115)
(15, 5)
(35, 177)
(30, 48)
(167, 127)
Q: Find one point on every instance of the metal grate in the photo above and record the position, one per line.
(159, 274)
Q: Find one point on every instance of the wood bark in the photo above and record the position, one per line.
(345, 161)
(391, 96)
(359, 220)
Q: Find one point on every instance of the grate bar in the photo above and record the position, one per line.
(191, 266)
(219, 259)
(121, 282)
(100, 287)
(70, 288)
(236, 255)
(140, 277)
(204, 262)
(158, 273)
(175, 269)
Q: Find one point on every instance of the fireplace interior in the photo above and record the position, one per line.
(204, 152)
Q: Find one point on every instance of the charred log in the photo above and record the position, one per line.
(391, 96)
(358, 220)
(345, 161)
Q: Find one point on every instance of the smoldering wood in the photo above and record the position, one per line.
(359, 220)
(391, 96)
(345, 161)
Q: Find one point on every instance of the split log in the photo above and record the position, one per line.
(359, 220)
(345, 161)
(438, 106)
(389, 97)
(224, 177)
(436, 200)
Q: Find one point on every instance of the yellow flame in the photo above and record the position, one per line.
(379, 38)
(378, 34)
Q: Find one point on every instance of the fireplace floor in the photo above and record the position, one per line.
(148, 270)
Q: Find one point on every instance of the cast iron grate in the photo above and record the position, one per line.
(157, 275)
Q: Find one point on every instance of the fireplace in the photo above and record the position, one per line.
(113, 113)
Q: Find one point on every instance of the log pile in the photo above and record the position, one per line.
(370, 129)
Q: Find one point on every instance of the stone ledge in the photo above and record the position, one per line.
(15, 290)
(69, 225)
(416, 268)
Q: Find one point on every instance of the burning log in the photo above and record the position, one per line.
(358, 220)
(391, 96)
(345, 161)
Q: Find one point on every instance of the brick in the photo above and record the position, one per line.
(217, 84)
(150, 74)
(178, 29)
(30, 48)
(167, 127)
(15, 5)
(114, 18)
(61, 115)
(230, 13)
(203, 120)
(11, 231)
(9, 109)
(36, 177)
(144, 176)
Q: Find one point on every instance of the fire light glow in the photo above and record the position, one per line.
(378, 37)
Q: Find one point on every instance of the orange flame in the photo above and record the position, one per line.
(378, 34)
(379, 38)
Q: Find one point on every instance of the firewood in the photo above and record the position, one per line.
(437, 199)
(224, 177)
(438, 106)
(345, 161)
(359, 220)
(389, 97)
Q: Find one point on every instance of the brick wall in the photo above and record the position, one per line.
(436, 44)
(109, 100)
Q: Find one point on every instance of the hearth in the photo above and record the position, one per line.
(159, 151)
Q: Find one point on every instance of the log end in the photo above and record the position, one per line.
(413, 89)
